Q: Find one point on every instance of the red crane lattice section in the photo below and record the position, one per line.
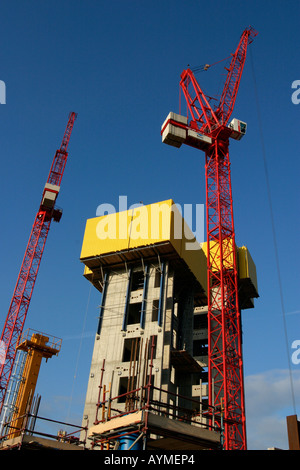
(206, 128)
(60, 158)
(225, 362)
(19, 305)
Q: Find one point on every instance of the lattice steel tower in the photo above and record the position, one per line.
(207, 128)
(18, 309)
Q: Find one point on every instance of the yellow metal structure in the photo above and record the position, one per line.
(247, 268)
(215, 254)
(38, 346)
(158, 228)
(159, 225)
(248, 289)
(247, 277)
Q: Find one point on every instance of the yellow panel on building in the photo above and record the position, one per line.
(246, 268)
(123, 236)
(215, 254)
(247, 272)
(143, 226)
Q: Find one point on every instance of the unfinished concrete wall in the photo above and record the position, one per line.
(140, 303)
(117, 336)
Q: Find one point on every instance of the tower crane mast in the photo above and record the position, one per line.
(20, 301)
(206, 128)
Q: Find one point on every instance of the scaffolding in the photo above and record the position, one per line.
(151, 287)
(36, 346)
(136, 419)
(13, 388)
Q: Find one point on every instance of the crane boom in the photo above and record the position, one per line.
(233, 78)
(60, 158)
(19, 305)
(205, 117)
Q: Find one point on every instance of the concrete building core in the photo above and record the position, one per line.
(148, 376)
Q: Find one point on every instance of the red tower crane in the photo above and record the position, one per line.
(19, 305)
(206, 128)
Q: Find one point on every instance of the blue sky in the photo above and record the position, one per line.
(118, 64)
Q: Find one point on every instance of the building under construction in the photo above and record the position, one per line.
(148, 382)
(167, 366)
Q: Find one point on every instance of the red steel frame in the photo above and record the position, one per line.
(225, 361)
(18, 309)
(225, 366)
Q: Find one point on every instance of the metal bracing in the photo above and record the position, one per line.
(13, 388)
(206, 128)
(143, 414)
(225, 363)
(18, 309)
(161, 292)
(32, 439)
(125, 317)
(145, 292)
(102, 306)
(37, 346)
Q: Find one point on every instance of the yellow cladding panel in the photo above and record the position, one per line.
(144, 226)
(128, 229)
(247, 268)
(245, 264)
(215, 254)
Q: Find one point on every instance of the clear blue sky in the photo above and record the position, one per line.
(117, 64)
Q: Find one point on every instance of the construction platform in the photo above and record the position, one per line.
(28, 442)
(173, 434)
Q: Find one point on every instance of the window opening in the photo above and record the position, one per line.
(137, 281)
(129, 347)
(155, 308)
(200, 347)
(134, 313)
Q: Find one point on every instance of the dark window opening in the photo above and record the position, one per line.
(157, 278)
(131, 349)
(204, 402)
(204, 376)
(134, 313)
(200, 322)
(122, 389)
(155, 307)
(137, 280)
(200, 347)
(126, 385)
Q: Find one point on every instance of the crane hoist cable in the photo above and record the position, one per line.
(79, 352)
(205, 67)
(273, 229)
